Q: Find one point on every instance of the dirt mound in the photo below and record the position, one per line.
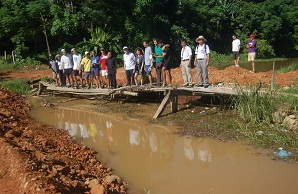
(231, 74)
(39, 158)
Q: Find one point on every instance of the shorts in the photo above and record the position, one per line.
(148, 69)
(104, 73)
(76, 73)
(67, 72)
(235, 55)
(251, 56)
(55, 75)
(87, 75)
(94, 72)
(139, 72)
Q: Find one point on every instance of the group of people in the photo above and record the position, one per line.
(141, 62)
(252, 49)
(78, 71)
(101, 70)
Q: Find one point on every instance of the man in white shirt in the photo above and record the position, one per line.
(202, 61)
(236, 49)
(67, 67)
(76, 58)
(129, 65)
(185, 63)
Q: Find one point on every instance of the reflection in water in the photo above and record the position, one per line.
(147, 156)
(134, 137)
(199, 146)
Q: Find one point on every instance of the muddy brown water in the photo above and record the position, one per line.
(154, 160)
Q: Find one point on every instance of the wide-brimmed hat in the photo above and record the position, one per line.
(201, 38)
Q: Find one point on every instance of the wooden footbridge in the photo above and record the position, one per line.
(170, 93)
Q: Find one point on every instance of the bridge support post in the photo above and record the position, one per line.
(172, 98)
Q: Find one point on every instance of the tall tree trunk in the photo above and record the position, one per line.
(44, 21)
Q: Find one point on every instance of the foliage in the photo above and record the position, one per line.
(101, 38)
(28, 63)
(113, 24)
(264, 50)
(292, 67)
(19, 86)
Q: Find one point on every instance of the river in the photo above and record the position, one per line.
(154, 160)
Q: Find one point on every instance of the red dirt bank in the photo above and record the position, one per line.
(37, 158)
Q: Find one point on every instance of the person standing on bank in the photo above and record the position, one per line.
(185, 63)
(202, 57)
(129, 66)
(252, 49)
(236, 49)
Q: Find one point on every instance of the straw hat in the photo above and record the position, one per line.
(201, 38)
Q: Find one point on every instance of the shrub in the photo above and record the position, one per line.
(19, 86)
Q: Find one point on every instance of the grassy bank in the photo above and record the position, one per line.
(263, 117)
(19, 86)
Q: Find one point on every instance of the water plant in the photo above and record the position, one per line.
(257, 108)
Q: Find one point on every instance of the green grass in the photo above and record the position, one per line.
(47, 79)
(19, 86)
(292, 67)
(28, 63)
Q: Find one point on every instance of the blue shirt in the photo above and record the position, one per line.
(94, 60)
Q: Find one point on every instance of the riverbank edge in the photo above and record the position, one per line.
(50, 160)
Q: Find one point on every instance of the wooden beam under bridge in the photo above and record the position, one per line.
(172, 98)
